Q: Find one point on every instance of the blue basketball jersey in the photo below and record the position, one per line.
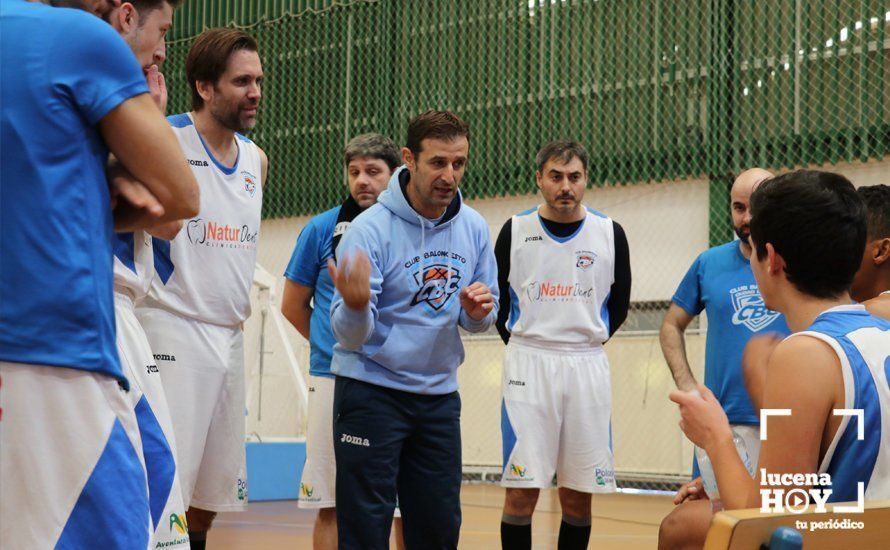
(862, 343)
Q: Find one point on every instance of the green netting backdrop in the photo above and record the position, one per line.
(657, 89)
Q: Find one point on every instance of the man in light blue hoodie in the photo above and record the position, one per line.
(411, 269)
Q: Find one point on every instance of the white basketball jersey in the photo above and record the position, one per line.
(862, 344)
(133, 264)
(559, 288)
(206, 271)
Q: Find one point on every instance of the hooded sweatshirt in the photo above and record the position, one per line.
(407, 337)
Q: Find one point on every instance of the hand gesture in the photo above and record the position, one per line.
(157, 87)
(694, 490)
(352, 279)
(476, 300)
(703, 420)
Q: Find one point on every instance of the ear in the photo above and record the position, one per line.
(775, 262)
(408, 158)
(127, 18)
(881, 251)
(205, 89)
(538, 177)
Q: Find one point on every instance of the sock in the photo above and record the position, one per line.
(198, 540)
(574, 533)
(516, 532)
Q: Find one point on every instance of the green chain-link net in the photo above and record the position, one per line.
(658, 90)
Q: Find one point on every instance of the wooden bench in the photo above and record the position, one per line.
(748, 529)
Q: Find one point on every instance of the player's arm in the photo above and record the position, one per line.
(296, 305)
(804, 376)
(479, 300)
(264, 168)
(166, 231)
(619, 295)
(502, 256)
(673, 346)
(754, 365)
(142, 141)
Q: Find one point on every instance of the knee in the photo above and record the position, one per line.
(521, 502)
(574, 503)
(199, 520)
(673, 531)
(327, 516)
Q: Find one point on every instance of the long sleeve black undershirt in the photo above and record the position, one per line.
(619, 296)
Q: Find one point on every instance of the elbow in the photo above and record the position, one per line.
(191, 203)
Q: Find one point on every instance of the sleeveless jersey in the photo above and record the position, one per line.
(862, 343)
(206, 271)
(133, 264)
(559, 287)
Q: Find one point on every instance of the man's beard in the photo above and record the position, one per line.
(231, 119)
(743, 233)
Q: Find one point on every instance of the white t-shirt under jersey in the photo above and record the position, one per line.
(559, 287)
(206, 271)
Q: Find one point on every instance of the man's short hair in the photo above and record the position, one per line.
(564, 150)
(443, 125)
(877, 206)
(816, 222)
(209, 56)
(145, 7)
(375, 146)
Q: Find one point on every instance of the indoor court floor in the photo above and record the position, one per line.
(625, 521)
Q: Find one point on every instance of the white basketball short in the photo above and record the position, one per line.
(71, 470)
(320, 470)
(202, 369)
(318, 482)
(155, 428)
(556, 419)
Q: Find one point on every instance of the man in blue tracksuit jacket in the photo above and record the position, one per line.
(411, 269)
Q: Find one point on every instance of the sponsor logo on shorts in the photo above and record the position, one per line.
(750, 309)
(198, 162)
(307, 492)
(178, 526)
(178, 522)
(515, 383)
(518, 473)
(534, 238)
(584, 259)
(242, 489)
(165, 357)
(151, 368)
(604, 477)
(355, 440)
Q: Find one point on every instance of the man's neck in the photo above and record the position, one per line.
(745, 249)
(801, 310)
(219, 139)
(414, 202)
(555, 216)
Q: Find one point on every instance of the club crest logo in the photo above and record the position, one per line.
(749, 309)
(437, 282)
(249, 182)
(584, 259)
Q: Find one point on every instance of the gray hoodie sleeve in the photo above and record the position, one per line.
(486, 272)
(352, 328)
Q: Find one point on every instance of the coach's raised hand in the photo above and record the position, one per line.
(476, 300)
(352, 279)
